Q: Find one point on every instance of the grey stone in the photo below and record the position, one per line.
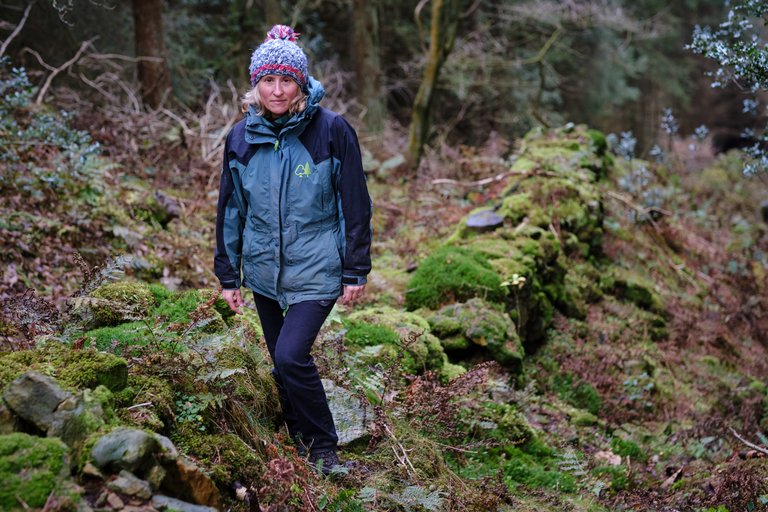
(124, 448)
(166, 503)
(76, 418)
(34, 397)
(155, 476)
(168, 451)
(8, 420)
(484, 220)
(129, 484)
(350, 415)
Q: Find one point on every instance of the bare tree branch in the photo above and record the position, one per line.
(55, 71)
(747, 443)
(18, 28)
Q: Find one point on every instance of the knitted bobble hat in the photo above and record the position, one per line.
(279, 55)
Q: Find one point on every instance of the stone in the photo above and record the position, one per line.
(166, 503)
(187, 481)
(351, 414)
(34, 397)
(129, 484)
(76, 418)
(155, 476)
(484, 220)
(31, 467)
(8, 421)
(484, 326)
(90, 470)
(168, 451)
(124, 448)
(115, 501)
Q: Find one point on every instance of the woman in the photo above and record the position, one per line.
(294, 213)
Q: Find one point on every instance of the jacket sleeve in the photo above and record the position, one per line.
(229, 229)
(356, 206)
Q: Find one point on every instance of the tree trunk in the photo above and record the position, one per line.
(154, 78)
(443, 27)
(365, 48)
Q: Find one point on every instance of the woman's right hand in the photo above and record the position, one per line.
(234, 300)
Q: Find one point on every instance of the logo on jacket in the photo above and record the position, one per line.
(303, 171)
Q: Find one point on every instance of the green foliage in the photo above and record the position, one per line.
(620, 480)
(453, 274)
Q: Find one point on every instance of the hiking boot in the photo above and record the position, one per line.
(327, 460)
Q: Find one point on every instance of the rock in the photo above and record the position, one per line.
(155, 476)
(166, 208)
(188, 482)
(76, 418)
(165, 503)
(124, 448)
(8, 421)
(115, 501)
(129, 484)
(31, 467)
(121, 301)
(90, 470)
(483, 325)
(484, 220)
(168, 451)
(351, 414)
(34, 397)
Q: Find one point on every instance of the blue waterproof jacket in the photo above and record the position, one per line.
(294, 211)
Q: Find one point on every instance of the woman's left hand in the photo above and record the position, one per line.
(352, 293)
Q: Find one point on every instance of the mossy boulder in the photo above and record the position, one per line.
(73, 369)
(480, 324)
(453, 274)
(226, 456)
(412, 342)
(31, 468)
(121, 301)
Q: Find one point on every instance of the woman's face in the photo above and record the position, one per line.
(277, 93)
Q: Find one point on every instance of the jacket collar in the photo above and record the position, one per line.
(259, 129)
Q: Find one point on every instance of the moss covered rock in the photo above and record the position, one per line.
(121, 301)
(412, 343)
(453, 274)
(481, 324)
(73, 369)
(31, 468)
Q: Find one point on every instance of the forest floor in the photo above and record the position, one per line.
(636, 404)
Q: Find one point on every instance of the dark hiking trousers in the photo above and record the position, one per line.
(302, 397)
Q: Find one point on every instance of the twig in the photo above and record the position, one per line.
(498, 177)
(17, 29)
(145, 404)
(637, 207)
(55, 71)
(747, 443)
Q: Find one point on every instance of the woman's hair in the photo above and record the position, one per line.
(252, 98)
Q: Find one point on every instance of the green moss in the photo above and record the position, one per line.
(638, 290)
(484, 325)
(364, 334)
(121, 301)
(452, 274)
(120, 338)
(225, 456)
(627, 448)
(619, 477)
(32, 468)
(178, 309)
(581, 395)
(74, 369)
(146, 389)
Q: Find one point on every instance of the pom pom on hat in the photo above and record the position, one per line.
(279, 55)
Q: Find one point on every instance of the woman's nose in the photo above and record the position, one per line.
(278, 89)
